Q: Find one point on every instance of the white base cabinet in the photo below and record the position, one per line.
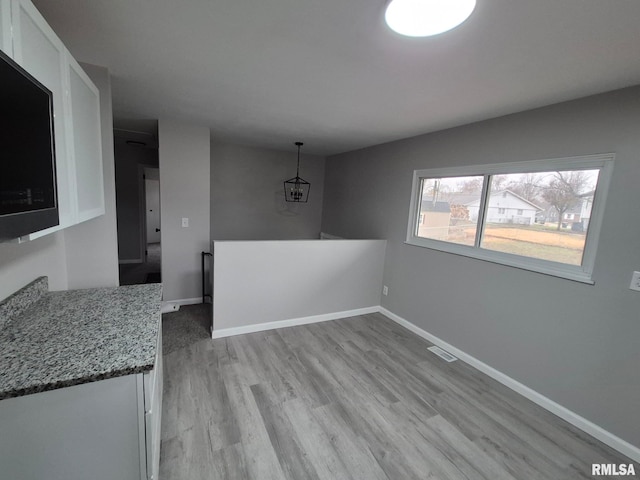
(153, 386)
(102, 430)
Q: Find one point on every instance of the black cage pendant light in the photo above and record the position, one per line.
(296, 189)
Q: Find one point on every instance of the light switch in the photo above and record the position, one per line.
(185, 222)
(635, 281)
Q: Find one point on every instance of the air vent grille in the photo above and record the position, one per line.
(442, 354)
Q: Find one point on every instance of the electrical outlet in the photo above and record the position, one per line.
(635, 282)
(185, 222)
(385, 290)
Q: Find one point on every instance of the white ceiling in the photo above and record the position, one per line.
(331, 74)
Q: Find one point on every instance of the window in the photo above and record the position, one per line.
(515, 213)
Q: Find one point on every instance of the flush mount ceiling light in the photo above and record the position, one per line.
(422, 18)
(296, 189)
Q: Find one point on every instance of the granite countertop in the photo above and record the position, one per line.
(79, 336)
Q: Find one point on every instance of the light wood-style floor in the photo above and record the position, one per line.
(360, 398)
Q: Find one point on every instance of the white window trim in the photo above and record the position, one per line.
(580, 273)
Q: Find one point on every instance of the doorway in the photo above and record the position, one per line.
(138, 203)
(153, 246)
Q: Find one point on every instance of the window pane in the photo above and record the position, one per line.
(449, 209)
(541, 215)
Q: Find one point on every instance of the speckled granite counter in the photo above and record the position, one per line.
(79, 336)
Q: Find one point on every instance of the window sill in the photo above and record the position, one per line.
(568, 272)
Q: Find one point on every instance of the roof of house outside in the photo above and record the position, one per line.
(500, 192)
(519, 197)
(469, 198)
(460, 198)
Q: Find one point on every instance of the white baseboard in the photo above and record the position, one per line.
(185, 301)
(292, 322)
(129, 260)
(574, 419)
(328, 236)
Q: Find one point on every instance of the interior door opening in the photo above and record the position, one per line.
(153, 248)
(138, 202)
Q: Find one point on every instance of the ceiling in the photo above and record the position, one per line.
(331, 74)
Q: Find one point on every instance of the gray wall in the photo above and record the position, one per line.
(184, 192)
(128, 160)
(92, 246)
(23, 263)
(247, 194)
(574, 343)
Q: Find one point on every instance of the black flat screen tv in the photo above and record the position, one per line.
(28, 196)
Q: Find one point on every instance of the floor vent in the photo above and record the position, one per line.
(442, 354)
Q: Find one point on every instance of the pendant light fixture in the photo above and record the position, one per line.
(296, 189)
(423, 18)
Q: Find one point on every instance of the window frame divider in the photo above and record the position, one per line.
(482, 212)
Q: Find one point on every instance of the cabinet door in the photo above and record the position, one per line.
(85, 136)
(5, 27)
(153, 386)
(83, 432)
(37, 48)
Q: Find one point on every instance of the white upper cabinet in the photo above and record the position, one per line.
(41, 53)
(5, 27)
(85, 136)
(76, 107)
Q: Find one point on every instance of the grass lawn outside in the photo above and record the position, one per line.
(556, 246)
(535, 250)
(534, 241)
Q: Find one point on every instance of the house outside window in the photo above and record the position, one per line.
(502, 213)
